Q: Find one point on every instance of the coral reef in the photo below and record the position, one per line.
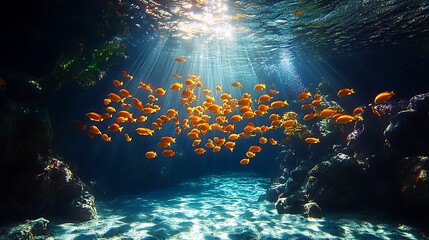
(28, 230)
(383, 164)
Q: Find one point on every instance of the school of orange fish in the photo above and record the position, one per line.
(215, 115)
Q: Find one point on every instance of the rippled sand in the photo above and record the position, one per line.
(220, 207)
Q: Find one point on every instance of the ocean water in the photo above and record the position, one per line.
(221, 206)
(318, 46)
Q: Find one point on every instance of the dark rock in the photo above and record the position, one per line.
(291, 204)
(83, 207)
(291, 186)
(62, 194)
(407, 133)
(29, 230)
(414, 176)
(340, 183)
(419, 103)
(274, 190)
(367, 137)
(33, 184)
(312, 209)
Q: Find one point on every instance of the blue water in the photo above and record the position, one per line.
(221, 206)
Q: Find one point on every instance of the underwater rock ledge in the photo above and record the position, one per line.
(33, 182)
(384, 165)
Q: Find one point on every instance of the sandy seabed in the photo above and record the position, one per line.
(223, 206)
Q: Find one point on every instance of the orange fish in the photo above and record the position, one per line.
(193, 135)
(95, 116)
(127, 75)
(272, 141)
(106, 115)
(263, 107)
(124, 92)
(230, 145)
(337, 115)
(259, 87)
(149, 110)
(244, 102)
(317, 96)
(172, 112)
(144, 131)
(180, 59)
(196, 142)
(117, 83)
(168, 139)
(244, 161)
(278, 104)
(384, 96)
(325, 113)
(188, 92)
(221, 120)
(309, 116)
(233, 137)
(304, 95)
(218, 88)
(255, 149)
(160, 91)
(246, 95)
(345, 92)
(106, 138)
(115, 97)
(250, 154)
(175, 75)
(176, 86)
(125, 114)
(189, 83)
(200, 151)
(121, 119)
(225, 96)
(312, 140)
(288, 123)
(216, 148)
(178, 130)
(237, 84)
(152, 98)
(151, 154)
(236, 118)
(263, 140)
(357, 110)
(95, 130)
(110, 109)
(168, 153)
(264, 98)
(115, 127)
(272, 91)
(127, 137)
(141, 118)
(273, 117)
(249, 114)
(207, 91)
(107, 101)
(199, 84)
(316, 102)
(229, 127)
(345, 119)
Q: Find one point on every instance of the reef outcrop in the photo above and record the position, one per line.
(383, 163)
(32, 182)
(30, 229)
